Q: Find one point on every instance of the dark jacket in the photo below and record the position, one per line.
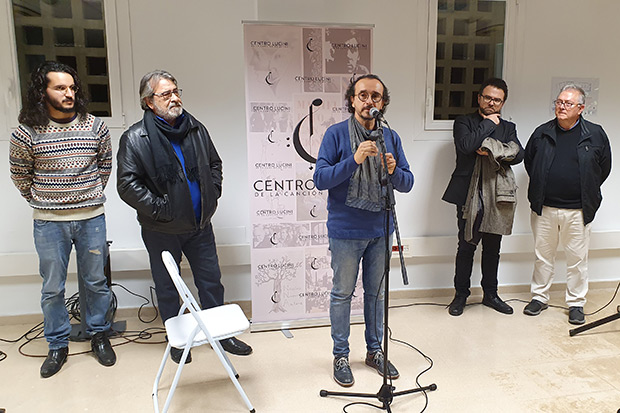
(594, 156)
(469, 132)
(167, 207)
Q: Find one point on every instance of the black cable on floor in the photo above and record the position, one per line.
(146, 302)
(417, 379)
(561, 307)
(72, 304)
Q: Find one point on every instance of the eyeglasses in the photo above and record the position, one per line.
(375, 97)
(167, 95)
(566, 103)
(489, 99)
(63, 89)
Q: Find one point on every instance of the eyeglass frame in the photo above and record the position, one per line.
(63, 89)
(489, 99)
(167, 95)
(565, 103)
(368, 95)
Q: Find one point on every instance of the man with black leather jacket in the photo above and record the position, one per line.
(170, 172)
(567, 159)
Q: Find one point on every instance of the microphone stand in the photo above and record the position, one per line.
(386, 393)
(596, 323)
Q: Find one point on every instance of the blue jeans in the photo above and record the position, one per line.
(201, 252)
(53, 241)
(346, 257)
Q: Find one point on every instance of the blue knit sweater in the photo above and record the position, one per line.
(335, 166)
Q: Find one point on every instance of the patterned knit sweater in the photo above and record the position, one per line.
(62, 166)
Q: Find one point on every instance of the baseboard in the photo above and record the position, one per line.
(246, 305)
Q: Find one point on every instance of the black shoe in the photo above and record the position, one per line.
(457, 305)
(375, 360)
(342, 372)
(102, 348)
(54, 361)
(534, 307)
(176, 353)
(576, 316)
(235, 346)
(497, 304)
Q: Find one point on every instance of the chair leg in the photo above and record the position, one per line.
(177, 375)
(232, 373)
(217, 343)
(158, 377)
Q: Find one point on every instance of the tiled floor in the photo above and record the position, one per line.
(483, 362)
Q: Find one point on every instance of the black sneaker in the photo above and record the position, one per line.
(457, 305)
(375, 360)
(534, 307)
(177, 353)
(342, 372)
(576, 316)
(54, 361)
(102, 348)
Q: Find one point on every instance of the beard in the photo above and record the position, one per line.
(489, 110)
(170, 113)
(58, 105)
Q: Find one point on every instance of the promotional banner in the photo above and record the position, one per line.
(296, 77)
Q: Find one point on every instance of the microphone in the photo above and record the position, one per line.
(376, 113)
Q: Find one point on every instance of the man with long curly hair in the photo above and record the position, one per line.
(61, 159)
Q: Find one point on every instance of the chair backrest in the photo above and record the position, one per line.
(188, 299)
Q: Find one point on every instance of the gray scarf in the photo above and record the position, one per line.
(364, 186)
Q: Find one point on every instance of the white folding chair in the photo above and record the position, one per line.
(198, 327)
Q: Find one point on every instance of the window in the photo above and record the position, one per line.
(69, 31)
(466, 46)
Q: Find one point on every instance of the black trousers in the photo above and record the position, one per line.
(201, 252)
(491, 244)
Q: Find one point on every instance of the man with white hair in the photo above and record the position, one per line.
(567, 160)
(171, 174)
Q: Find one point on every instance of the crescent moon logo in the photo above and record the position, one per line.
(270, 136)
(275, 298)
(268, 79)
(301, 151)
(273, 238)
(313, 264)
(313, 211)
(308, 45)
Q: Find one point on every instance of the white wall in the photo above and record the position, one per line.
(201, 44)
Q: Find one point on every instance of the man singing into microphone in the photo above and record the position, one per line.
(348, 166)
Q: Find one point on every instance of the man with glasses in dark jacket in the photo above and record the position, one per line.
(171, 174)
(470, 132)
(567, 159)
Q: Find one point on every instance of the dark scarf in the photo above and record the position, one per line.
(161, 133)
(364, 186)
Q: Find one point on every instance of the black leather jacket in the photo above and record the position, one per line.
(164, 207)
(594, 156)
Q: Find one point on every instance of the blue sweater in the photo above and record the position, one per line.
(335, 166)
